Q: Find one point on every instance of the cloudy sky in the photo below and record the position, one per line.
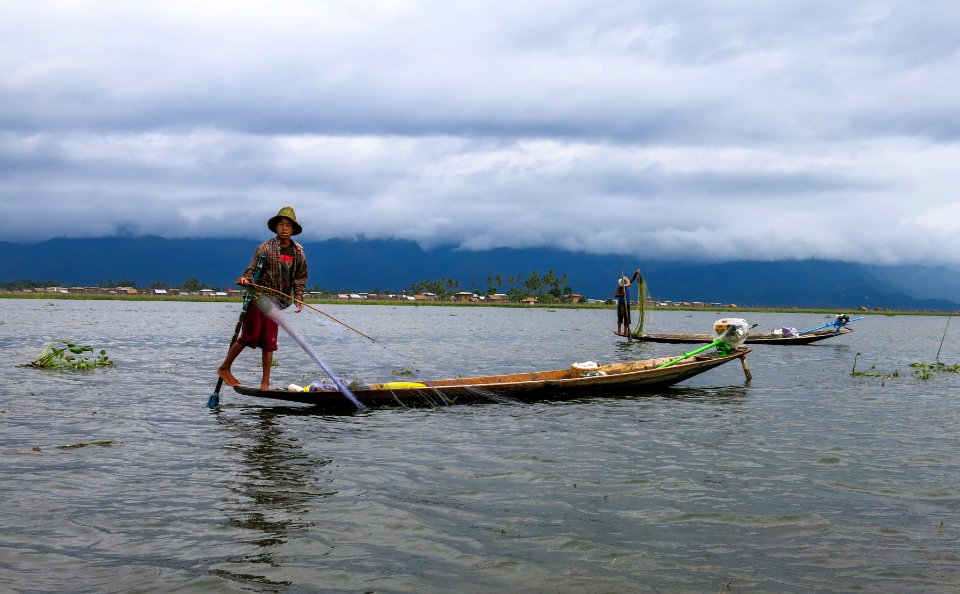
(715, 130)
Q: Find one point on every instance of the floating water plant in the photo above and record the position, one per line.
(871, 371)
(923, 371)
(926, 371)
(65, 354)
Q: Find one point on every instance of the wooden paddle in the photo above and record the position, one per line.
(214, 400)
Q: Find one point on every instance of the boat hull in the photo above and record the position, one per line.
(766, 338)
(560, 384)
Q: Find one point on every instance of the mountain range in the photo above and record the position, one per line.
(393, 265)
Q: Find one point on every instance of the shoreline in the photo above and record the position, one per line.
(399, 303)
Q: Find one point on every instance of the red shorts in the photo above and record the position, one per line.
(258, 330)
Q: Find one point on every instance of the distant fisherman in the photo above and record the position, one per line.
(284, 270)
(623, 302)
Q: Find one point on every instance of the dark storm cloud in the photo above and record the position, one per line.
(655, 127)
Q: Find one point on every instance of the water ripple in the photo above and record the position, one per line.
(803, 480)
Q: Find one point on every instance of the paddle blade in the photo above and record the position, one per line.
(214, 401)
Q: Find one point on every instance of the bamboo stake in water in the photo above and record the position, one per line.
(941, 339)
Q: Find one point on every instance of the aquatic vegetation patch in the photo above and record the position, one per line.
(871, 371)
(926, 371)
(923, 371)
(66, 354)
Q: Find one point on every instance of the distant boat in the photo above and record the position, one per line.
(574, 382)
(838, 327)
(761, 338)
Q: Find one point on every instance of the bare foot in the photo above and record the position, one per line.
(228, 377)
(265, 387)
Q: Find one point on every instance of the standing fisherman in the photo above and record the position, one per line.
(285, 271)
(623, 303)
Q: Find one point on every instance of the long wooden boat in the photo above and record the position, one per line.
(761, 338)
(559, 384)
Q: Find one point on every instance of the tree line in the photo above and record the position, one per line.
(191, 284)
(546, 287)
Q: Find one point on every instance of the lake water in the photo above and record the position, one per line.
(805, 479)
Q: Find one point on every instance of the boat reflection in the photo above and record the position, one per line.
(274, 485)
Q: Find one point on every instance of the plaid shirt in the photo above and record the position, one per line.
(272, 274)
